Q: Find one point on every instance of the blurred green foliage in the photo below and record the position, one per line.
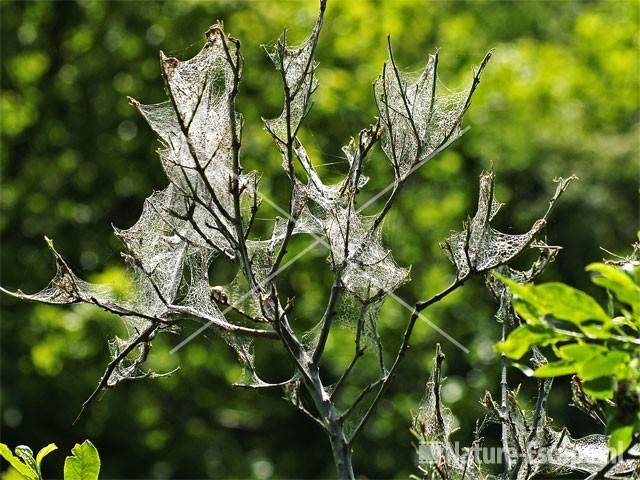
(559, 97)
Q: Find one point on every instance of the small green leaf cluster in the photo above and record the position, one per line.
(82, 464)
(599, 346)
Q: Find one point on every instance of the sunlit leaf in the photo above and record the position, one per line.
(84, 464)
(580, 351)
(620, 439)
(523, 337)
(25, 470)
(618, 282)
(44, 452)
(559, 300)
(600, 388)
(608, 363)
(556, 369)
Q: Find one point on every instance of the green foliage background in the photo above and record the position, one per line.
(559, 97)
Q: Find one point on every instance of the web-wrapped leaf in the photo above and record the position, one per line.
(418, 120)
(369, 268)
(296, 66)
(433, 425)
(66, 287)
(198, 128)
(127, 354)
(199, 299)
(479, 247)
(549, 452)
(155, 252)
(536, 448)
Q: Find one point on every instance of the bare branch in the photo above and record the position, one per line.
(224, 325)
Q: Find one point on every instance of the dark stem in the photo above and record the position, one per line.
(504, 389)
(328, 319)
(341, 451)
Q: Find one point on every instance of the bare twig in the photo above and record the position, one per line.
(142, 337)
(402, 350)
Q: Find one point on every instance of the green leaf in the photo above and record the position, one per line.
(26, 455)
(597, 331)
(84, 464)
(557, 299)
(580, 351)
(609, 363)
(628, 320)
(556, 369)
(610, 305)
(567, 303)
(618, 282)
(43, 453)
(528, 312)
(620, 439)
(600, 388)
(515, 287)
(526, 369)
(522, 338)
(24, 470)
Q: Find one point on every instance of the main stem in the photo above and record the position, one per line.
(333, 423)
(504, 403)
(327, 413)
(340, 447)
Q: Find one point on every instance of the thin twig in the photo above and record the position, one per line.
(104, 381)
(403, 349)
